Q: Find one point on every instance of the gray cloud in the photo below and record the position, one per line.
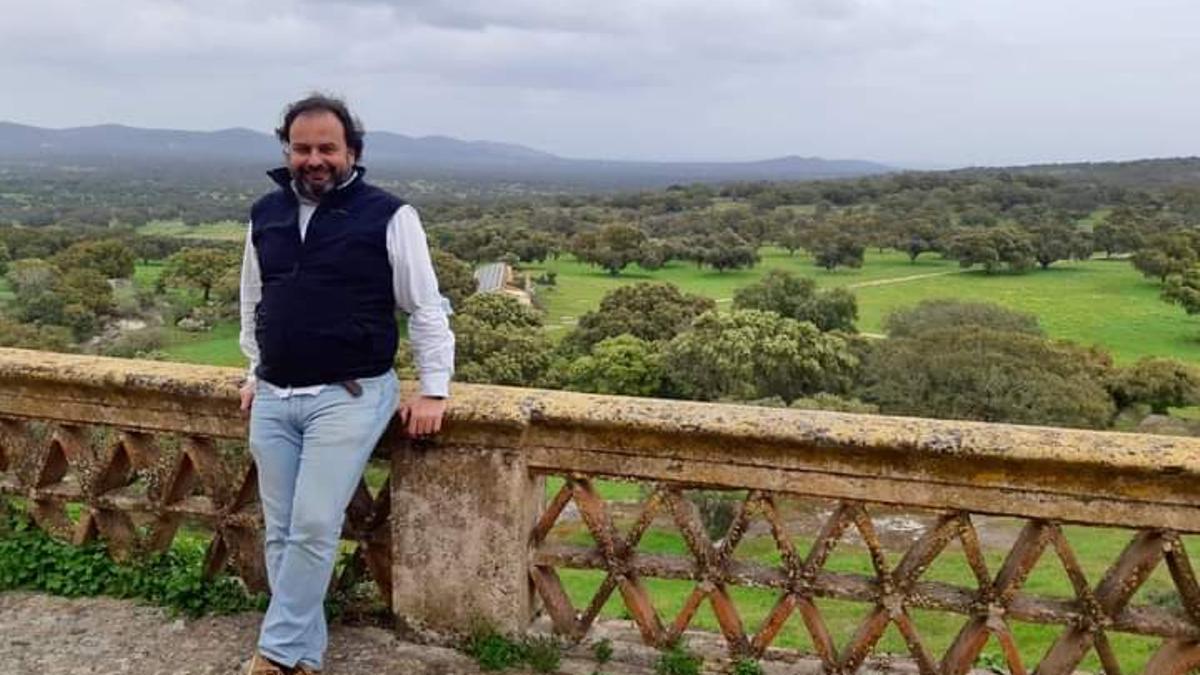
(982, 81)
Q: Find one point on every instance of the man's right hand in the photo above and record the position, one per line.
(247, 394)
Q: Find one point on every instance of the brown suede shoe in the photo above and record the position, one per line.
(261, 665)
(302, 669)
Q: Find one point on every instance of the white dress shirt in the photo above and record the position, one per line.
(413, 284)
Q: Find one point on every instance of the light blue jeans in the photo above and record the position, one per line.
(311, 452)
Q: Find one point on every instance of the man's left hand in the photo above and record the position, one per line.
(422, 415)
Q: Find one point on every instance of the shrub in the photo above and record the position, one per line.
(32, 560)
(495, 651)
(746, 667)
(677, 660)
(137, 343)
(717, 510)
(603, 651)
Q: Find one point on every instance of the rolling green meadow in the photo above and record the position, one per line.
(225, 230)
(1096, 302)
(1100, 302)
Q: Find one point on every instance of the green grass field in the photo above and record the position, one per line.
(1097, 302)
(225, 230)
(580, 287)
(217, 347)
(145, 275)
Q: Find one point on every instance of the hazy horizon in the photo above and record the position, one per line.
(913, 83)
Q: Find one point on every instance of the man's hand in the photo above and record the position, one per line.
(247, 394)
(422, 416)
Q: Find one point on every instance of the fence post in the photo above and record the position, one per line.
(461, 519)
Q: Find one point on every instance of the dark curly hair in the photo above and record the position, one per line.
(321, 103)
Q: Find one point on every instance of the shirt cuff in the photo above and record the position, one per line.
(435, 384)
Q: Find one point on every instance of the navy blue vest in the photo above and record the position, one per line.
(327, 312)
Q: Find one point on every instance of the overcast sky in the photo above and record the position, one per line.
(918, 82)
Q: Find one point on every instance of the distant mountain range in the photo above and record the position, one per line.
(427, 156)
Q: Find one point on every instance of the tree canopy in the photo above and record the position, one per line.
(456, 279)
(623, 364)
(798, 298)
(110, 258)
(750, 354)
(964, 361)
(1159, 383)
(1167, 254)
(198, 267)
(500, 341)
(613, 247)
(653, 311)
(833, 247)
(992, 248)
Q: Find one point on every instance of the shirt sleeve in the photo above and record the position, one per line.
(416, 289)
(249, 297)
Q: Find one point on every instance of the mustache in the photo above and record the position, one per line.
(326, 173)
(309, 183)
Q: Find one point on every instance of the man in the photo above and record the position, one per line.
(328, 260)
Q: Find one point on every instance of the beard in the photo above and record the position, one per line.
(316, 182)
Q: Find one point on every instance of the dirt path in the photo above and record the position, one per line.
(883, 282)
(900, 280)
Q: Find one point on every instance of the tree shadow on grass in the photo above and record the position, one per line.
(980, 273)
(1063, 269)
(624, 275)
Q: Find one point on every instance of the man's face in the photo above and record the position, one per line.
(317, 154)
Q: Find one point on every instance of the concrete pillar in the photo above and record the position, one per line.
(460, 538)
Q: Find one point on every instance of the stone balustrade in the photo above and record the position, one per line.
(464, 528)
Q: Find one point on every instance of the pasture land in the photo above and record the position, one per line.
(217, 347)
(223, 230)
(1096, 302)
(1099, 302)
(579, 287)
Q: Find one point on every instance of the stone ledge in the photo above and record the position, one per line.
(654, 439)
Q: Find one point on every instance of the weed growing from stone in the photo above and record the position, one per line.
(494, 651)
(746, 667)
(543, 654)
(602, 651)
(677, 660)
(992, 662)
